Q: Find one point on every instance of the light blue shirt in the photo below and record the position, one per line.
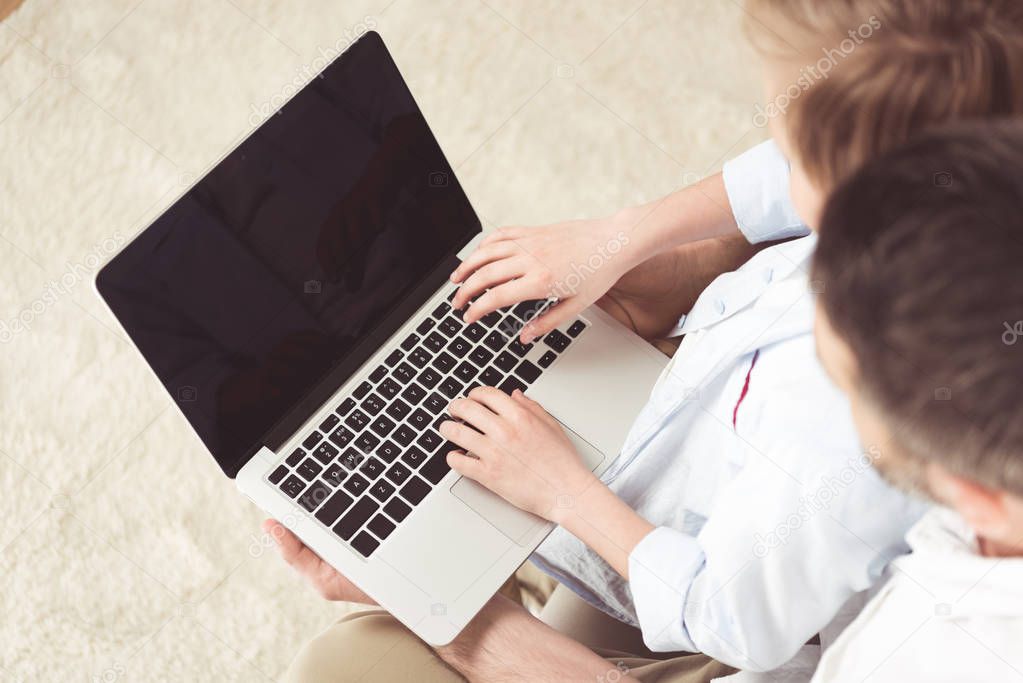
(770, 518)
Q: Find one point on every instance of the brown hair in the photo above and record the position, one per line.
(920, 256)
(895, 69)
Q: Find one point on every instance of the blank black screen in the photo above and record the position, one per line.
(266, 275)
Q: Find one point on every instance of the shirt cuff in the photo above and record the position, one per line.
(661, 569)
(757, 183)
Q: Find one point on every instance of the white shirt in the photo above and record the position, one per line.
(767, 527)
(947, 614)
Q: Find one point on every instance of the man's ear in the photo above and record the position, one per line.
(983, 507)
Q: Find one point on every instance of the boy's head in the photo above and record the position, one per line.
(920, 320)
(848, 80)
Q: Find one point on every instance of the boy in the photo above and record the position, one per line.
(919, 323)
(767, 518)
(743, 453)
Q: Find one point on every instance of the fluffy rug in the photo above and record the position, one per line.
(124, 555)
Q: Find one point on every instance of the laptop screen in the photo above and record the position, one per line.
(303, 242)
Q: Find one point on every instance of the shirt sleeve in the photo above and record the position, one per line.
(773, 565)
(757, 183)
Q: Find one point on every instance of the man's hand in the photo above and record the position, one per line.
(326, 580)
(576, 262)
(518, 451)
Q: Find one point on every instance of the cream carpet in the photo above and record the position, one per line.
(123, 554)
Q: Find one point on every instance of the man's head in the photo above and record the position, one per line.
(920, 320)
(848, 80)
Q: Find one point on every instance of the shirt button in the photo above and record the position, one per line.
(720, 304)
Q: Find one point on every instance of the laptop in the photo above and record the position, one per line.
(295, 303)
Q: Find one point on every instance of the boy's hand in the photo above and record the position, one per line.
(576, 262)
(327, 581)
(521, 452)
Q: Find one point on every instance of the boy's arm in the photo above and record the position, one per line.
(502, 643)
(580, 261)
(765, 574)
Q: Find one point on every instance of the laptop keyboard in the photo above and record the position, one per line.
(379, 454)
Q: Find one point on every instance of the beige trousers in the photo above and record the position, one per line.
(373, 646)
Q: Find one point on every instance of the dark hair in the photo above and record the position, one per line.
(920, 257)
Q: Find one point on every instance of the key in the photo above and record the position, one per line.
(475, 332)
(378, 374)
(335, 474)
(382, 426)
(434, 342)
(490, 319)
(518, 348)
(295, 457)
(425, 326)
(480, 356)
(465, 371)
(292, 486)
(527, 310)
(429, 440)
(527, 371)
(441, 310)
(278, 474)
(393, 358)
(547, 358)
(414, 490)
(372, 468)
(381, 491)
(429, 378)
(357, 420)
(404, 373)
(435, 403)
(575, 328)
(414, 393)
(413, 457)
(373, 404)
(419, 357)
(410, 341)
(309, 469)
(345, 407)
(510, 384)
(443, 362)
(365, 544)
(356, 517)
(389, 388)
(325, 452)
(362, 390)
(341, 437)
(329, 423)
(398, 409)
(495, 341)
(351, 459)
(437, 466)
(505, 361)
(314, 496)
(367, 442)
(333, 508)
(459, 346)
(311, 441)
(404, 435)
(491, 377)
(388, 451)
(449, 326)
(450, 387)
(356, 484)
(419, 419)
(397, 473)
(397, 509)
(557, 341)
(381, 526)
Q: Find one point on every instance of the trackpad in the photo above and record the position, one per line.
(518, 525)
